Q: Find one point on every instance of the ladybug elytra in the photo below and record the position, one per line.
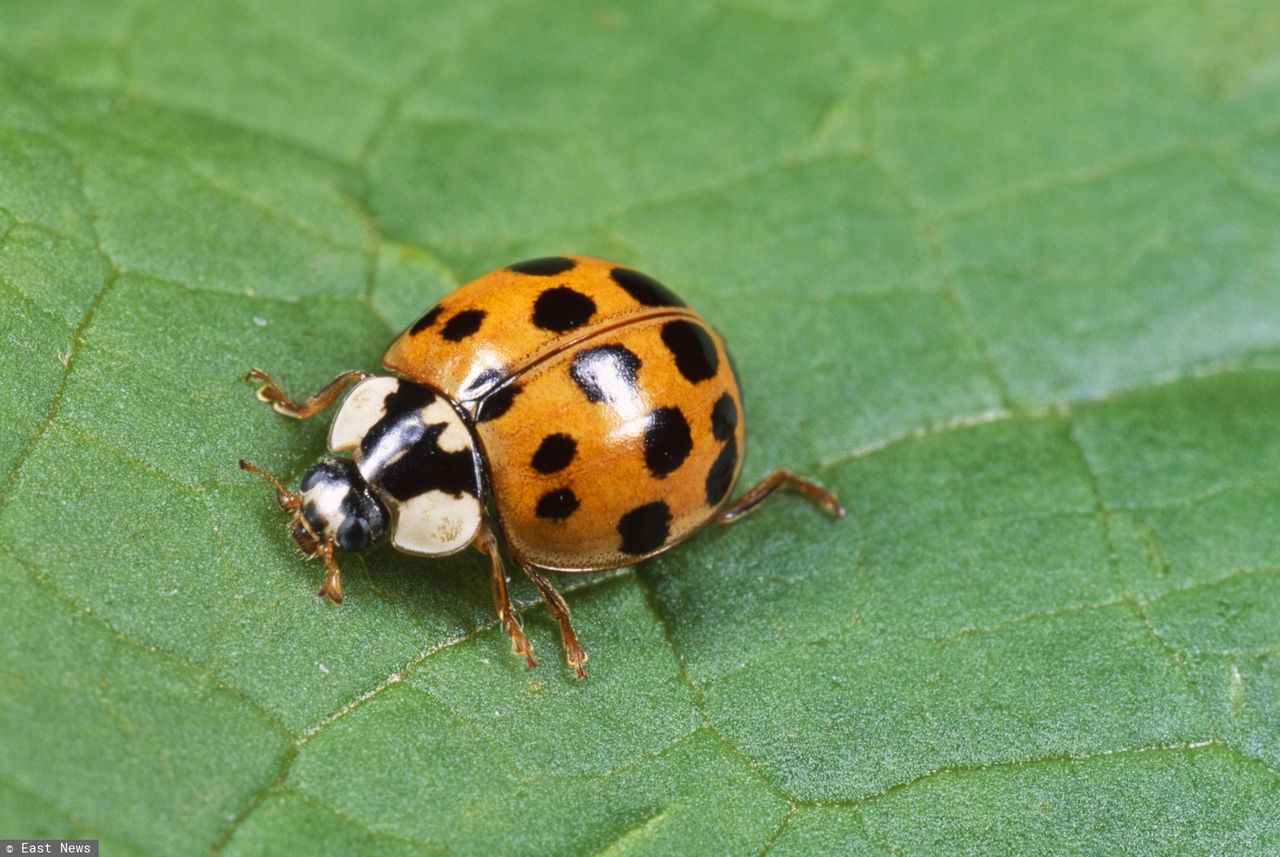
(596, 411)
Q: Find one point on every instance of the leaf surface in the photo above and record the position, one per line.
(1006, 276)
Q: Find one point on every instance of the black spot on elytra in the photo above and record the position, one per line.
(562, 309)
(554, 453)
(497, 404)
(720, 476)
(667, 441)
(462, 325)
(426, 321)
(645, 289)
(606, 373)
(645, 528)
(548, 266)
(693, 349)
(482, 382)
(557, 505)
(724, 417)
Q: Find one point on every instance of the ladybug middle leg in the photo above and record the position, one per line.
(771, 483)
(573, 652)
(488, 545)
(270, 392)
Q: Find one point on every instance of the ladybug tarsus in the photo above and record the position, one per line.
(573, 652)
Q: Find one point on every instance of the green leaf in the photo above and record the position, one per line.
(1006, 276)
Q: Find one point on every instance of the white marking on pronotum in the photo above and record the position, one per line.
(455, 436)
(436, 523)
(362, 408)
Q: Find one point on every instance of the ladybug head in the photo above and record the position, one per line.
(334, 508)
(337, 507)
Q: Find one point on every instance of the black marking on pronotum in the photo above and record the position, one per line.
(427, 320)
(557, 505)
(645, 289)
(462, 325)
(667, 441)
(422, 466)
(426, 467)
(547, 266)
(606, 373)
(724, 417)
(406, 398)
(645, 528)
(720, 476)
(554, 453)
(562, 309)
(693, 349)
(497, 404)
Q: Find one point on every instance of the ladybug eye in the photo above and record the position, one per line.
(353, 535)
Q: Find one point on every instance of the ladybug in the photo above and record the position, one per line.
(578, 402)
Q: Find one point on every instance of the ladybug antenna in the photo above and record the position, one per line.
(286, 499)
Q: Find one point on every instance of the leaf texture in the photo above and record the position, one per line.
(1004, 275)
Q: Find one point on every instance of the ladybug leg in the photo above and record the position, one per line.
(555, 603)
(308, 542)
(771, 483)
(332, 587)
(488, 545)
(270, 392)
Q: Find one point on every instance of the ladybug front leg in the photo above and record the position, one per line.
(771, 483)
(332, 586)
(270, 392)
(488, 545)
(555, 603)
(310, 545)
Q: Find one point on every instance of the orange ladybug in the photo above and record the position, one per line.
(598, 412)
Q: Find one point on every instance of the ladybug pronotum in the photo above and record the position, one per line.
(593, 413)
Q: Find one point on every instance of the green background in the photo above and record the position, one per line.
(1006, 275)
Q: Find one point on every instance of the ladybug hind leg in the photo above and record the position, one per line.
(573, 652)
(781, 479)
(270, 392)
(488, 545)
